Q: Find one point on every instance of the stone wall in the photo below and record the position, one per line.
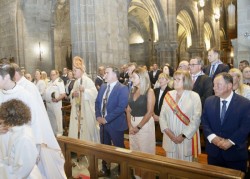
(242, 43)
(99, 32)
(8, 29)
(34, 28)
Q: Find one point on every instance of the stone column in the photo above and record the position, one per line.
(195, 51)
(166, 48)
(166, 53)
(99, 32)
(242, 43)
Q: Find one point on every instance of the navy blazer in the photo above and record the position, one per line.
(219, 69)
(116, 105)
(236, 126)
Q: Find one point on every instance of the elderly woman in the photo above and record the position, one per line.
(180, 119)
(83, 123)
(246, 75)
(238, 86)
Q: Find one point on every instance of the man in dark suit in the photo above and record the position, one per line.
(64, 76)
(112, 99)
(153, 75)
(216, 66)
(226, 125)
(202, 84)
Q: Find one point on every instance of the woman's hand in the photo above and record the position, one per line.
(133, 130)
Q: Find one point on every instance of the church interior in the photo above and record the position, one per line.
(47, 34)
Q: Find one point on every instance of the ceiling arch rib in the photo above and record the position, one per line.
(151, 8)
(207, 35)
(184, 20)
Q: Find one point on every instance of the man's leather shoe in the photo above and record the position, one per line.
(103, 173)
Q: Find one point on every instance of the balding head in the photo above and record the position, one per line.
(184, 65)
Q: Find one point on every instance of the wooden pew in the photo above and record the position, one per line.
(162, 166)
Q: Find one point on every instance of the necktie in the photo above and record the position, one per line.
(104, 101)
(212, 71)
(223, 111)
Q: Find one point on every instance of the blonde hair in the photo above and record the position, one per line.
(145, 84)
(186, 78)
(164, 75)
(44, 75)
(240, 76)
(78, 63)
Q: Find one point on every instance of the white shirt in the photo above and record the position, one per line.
(112, 85)
(160, 94)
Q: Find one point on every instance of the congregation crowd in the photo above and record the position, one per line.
(216, 97)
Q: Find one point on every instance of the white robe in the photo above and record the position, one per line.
(54, 109)
(19, 160)
(41, 86)
(89, 126)
(190, 105)
(40, 126)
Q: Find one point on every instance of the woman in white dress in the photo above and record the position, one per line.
(40, 84)
(83, 123)
(238, 86)
(21, 156)
(180, 119)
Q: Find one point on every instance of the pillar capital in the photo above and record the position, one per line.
(166, 46)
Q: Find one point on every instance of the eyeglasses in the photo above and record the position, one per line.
(192, 65)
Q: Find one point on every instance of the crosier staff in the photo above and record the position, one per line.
(79, 113)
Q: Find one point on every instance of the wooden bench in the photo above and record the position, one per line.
(162, 166)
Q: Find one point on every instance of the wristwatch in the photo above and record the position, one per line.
(138, 127)
(183, 135)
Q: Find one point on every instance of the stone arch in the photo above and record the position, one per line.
(186, 32)
(154, 31)
(208, 36)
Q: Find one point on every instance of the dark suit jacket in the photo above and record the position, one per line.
(157, 108)
(152, 78)
(204, 87)
(219, 69)
(235, 127)
(116, 104)
(70, 87)
(65, 79)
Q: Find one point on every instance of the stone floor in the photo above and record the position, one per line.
(80, 169)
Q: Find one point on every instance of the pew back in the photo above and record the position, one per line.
(162, 166)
